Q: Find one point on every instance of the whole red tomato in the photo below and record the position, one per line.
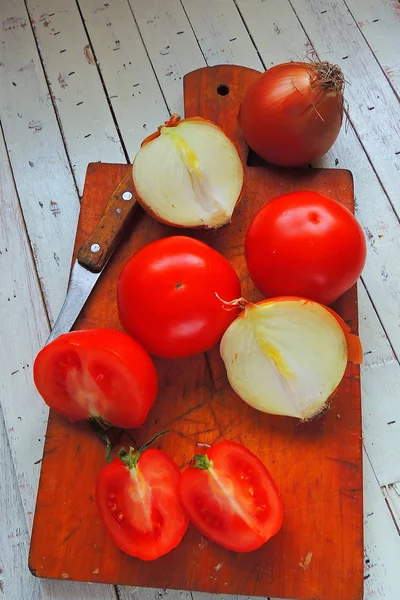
(305, 244)
(167, 296)
(99, 373)
(138, 501)
(231, 498)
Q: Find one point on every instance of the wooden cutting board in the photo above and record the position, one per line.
(318, 554)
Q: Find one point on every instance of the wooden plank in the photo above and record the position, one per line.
(77, 92)
(382, 543)
(15, 579)
(188, 570)
(170, 43)
(379, 22)
(38, 158)
(128, 75)
(380, 382)
(221, 35)
(275, 30)
(374, 108)
(25, 327)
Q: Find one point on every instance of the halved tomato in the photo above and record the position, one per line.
(99, 373)
(138, 501)
(231, 498)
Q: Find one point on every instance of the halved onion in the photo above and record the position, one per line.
(287, 355)
(188, 174)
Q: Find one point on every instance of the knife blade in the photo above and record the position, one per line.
(94, 254)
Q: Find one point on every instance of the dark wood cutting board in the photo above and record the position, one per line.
(318, 554)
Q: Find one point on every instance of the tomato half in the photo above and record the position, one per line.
(305, 244)
(231, 498)
(138, 502)
(167, 296)
(101, 373)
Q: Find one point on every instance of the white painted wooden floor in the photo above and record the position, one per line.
(87, 80)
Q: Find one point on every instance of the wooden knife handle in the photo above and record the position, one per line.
(97, 249)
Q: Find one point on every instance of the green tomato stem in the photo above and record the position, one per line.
(131, 458)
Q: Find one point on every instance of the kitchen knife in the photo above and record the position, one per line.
(94, 254)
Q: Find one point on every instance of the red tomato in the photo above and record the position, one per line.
(138, 502)
(305, 244)
(167, 296)
(231, 497)
(100, 373)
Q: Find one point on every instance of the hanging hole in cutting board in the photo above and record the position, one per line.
(222, 90)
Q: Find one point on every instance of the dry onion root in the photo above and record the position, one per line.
(286, 356)
(188, 174)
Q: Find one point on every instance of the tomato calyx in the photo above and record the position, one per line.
(131, 457)
(201, 461)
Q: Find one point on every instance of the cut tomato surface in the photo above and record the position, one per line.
(100, 373)
(139, 504)
(231, 497)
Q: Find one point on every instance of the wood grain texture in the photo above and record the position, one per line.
(97, 249)
(169, 39)
(197, 405)
(131, 84)
(76, 88)
(379, 22)
(380, 382)
(221, 35)
(40, 164)
(382, 573)
(15, 579)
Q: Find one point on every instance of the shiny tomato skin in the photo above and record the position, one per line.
(236, 503)
(97, 372)
(167, 298)
(140, 507)
(305, 244)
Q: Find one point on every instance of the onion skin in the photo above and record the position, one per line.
(173, 121)
(293, 113)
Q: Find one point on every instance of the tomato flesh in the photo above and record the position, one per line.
(168, 296)
(235, 502)
(305, 244)
(140, 507)
(97, 373)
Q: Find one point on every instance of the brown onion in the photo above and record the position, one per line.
(293, 113)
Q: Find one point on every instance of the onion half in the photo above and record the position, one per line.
(286, 356)
(188, 174)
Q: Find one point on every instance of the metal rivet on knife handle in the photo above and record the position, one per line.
(97, 249)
